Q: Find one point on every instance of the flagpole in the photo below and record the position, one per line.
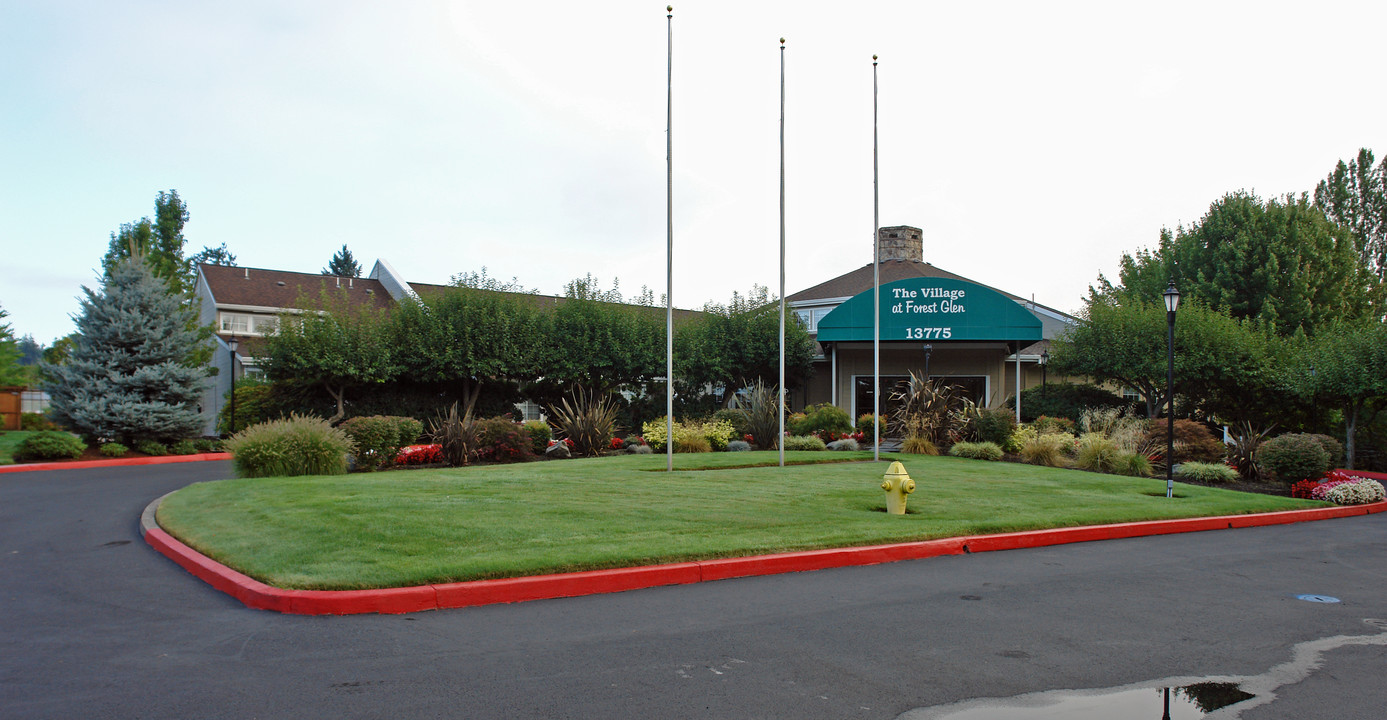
(780, 441)
(876, 280)
(669, 264)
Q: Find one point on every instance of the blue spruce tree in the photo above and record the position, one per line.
(131, 375)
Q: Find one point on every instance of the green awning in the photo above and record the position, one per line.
(932, 309)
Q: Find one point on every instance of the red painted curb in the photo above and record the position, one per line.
(256, 594)
(114, 462)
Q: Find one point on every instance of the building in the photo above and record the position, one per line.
(932, 322)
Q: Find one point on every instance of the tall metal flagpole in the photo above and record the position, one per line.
(669, 265)
(876, 280)
(780, 441)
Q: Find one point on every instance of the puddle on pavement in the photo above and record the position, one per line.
(1189, 702)
(1170, 699)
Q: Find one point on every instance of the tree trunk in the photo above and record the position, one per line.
(338, 393)
(1350, 427)
(471, 389)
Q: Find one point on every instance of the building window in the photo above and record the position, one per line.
(811, 317)
(236, 324)
(242, 324)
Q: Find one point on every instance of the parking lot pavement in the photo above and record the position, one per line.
(96, 624)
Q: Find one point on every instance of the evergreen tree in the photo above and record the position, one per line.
(343, 264)
(30, 351)
(1355, 196)
(160, 241)
(132, 373)
(10, 371)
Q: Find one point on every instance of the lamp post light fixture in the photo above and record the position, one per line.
(1172, 303)
(928, 349)
(233, 343)
(1044, 370)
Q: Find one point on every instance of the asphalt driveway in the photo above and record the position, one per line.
(96, 624)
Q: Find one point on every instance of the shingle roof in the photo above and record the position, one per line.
(281, 289)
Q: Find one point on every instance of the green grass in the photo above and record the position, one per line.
(426, 526)
(9, 442)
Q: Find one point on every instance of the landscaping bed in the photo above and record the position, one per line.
(395, 529)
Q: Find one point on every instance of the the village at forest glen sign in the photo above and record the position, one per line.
(932, 309)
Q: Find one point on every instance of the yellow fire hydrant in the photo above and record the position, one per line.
(897, 484)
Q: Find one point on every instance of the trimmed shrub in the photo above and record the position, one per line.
(737, 418)
(1133, 464)
(1193, 441)
(864, 425)
(1293, 457)
(1097, 453)
(824, 420)
(208, 445)
(995, 426)
(804, 442)
(35, 422)
(977, 450)
(1206, 472)
(736, 446)
(1046, 425)
(378, 438)
(692, 444)
(540, 434)
(296, 446)
(50, 445)
(1333, 448)
(716, 433)
(848, 444)
(916, 445)
(1020, 437)
(640, 450)
(113, 449)
(183, 447)
(1046, 450)
(501, 440)
(151, 447)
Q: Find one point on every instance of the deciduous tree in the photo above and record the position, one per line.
(1280, 261)
(339, 346)
(1345, 366)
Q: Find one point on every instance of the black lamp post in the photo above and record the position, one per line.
(1172, 303)
(1044, 370)
(233, 343)
(928, 349)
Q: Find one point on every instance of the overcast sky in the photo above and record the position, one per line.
(1034, 143)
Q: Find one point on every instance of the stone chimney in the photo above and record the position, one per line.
(901, 243)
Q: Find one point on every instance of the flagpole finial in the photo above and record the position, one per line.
(874, 59)
(782, 41)
(670, 9)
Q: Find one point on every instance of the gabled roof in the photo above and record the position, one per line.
(860, 280)
(257, 287)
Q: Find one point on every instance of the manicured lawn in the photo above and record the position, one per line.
(9, 442)
(427, 526)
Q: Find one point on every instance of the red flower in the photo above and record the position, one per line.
(747, 437)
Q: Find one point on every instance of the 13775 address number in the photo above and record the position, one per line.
(928, 333)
